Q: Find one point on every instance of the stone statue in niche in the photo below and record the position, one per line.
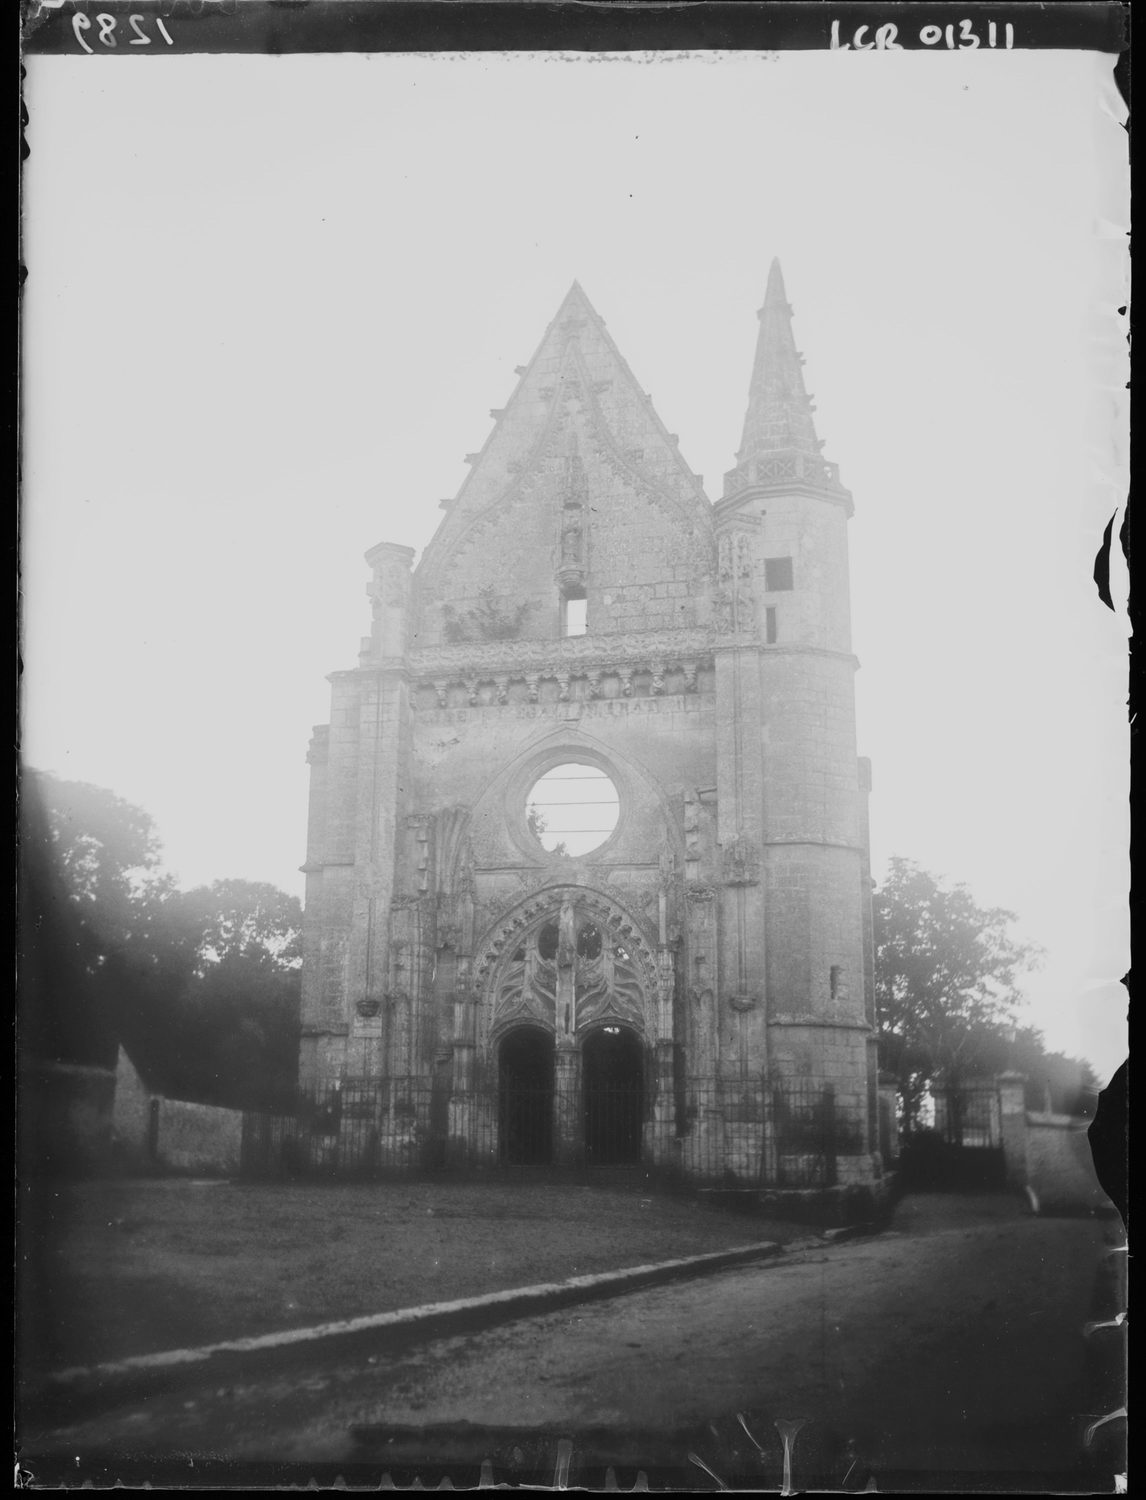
(397, 992)
(725, 563)
(733, 605)
(572, 539)
(722, 611)
(448, 929)
(741, 863)
(566, 936)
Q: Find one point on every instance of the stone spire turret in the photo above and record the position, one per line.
(779, 442)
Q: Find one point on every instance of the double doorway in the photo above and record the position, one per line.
(596, 1119)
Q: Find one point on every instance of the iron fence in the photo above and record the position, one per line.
(746, 1130)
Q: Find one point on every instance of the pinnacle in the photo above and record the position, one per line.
(775, 289)
(779, 416)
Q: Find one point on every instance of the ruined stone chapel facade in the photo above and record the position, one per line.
(587, 628)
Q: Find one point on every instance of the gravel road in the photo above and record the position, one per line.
(947, 1353)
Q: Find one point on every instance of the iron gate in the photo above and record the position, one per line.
(612, 1119)
(525, 1123)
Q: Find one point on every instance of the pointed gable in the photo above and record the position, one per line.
(579, 487)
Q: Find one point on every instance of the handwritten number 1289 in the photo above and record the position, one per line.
(106, 30)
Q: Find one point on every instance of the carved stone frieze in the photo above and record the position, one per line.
(525, 658)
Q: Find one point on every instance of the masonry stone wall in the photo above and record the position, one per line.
(1060, 1164)
(812, 532)
(153, 1133)
(199, 1137)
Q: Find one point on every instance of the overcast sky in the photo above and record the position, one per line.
(272, 300)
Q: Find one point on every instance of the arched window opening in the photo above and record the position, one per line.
(574, 612)
(589, 941)
(547, 941)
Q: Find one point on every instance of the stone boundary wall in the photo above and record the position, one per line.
(199, 1137)
(1047, 1155)
(1060, 1164)
(152, 1133)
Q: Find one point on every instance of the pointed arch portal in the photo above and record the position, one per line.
(525, 1097)
(613, 1096)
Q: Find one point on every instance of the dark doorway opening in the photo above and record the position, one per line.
(612, 1072)
(525, 1098)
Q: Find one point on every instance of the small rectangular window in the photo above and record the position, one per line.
(770, 625)
(777, 574)
(576, 616)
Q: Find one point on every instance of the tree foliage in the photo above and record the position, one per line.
(90, 887)
(1054, 1082)
(233, 920)
(538, 824)
(947, 989)
(201, 986)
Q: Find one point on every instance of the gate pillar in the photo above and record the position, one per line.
(660, 1132)
(568, 1132)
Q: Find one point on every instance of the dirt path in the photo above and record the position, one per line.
(947, 1352)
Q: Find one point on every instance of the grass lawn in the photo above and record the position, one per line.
(114, 1268)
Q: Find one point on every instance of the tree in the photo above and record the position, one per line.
(106, 851)
(238, 919)
(240, 1005)
(946, 983)
(201, 986)
(90, 892)
(538, 824)
(1055, 1082)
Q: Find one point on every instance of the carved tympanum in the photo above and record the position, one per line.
(575, 961)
